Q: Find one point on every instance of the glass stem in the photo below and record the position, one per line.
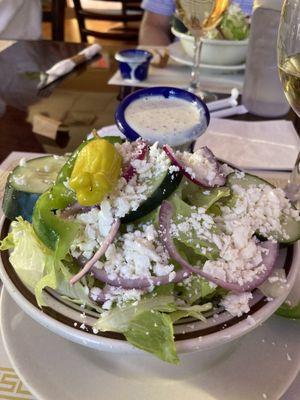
(195, 75)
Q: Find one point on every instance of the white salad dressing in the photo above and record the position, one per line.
(166, 120)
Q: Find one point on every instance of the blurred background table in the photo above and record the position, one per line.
(76, 103)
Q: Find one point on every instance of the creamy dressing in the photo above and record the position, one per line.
(166, 120)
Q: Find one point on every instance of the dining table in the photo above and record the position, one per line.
(56, 118)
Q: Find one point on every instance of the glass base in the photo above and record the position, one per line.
(205, 96)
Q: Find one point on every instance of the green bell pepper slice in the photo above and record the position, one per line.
(56, 233)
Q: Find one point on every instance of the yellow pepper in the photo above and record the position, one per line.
(96, 171)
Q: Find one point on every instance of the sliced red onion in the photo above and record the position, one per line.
(74, 209)
(100, 295)
(139, 283)
(165, 217)
(197, 174)
(99, 253)
(139, 153)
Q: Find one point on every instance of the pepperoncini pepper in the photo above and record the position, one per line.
(54, 232)
(96, 170)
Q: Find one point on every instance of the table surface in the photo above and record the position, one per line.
(81, 101)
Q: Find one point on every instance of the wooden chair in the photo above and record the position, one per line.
(128, 12)
(54, 12)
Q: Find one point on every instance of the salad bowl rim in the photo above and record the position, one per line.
(225, 42)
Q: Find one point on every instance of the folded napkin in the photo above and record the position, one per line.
(269, 145)
(65, 66)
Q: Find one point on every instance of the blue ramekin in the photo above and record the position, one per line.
(134, 64)
(166, 92)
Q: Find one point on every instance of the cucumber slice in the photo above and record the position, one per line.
(159, 189)
(289, 225)
(246, 181)
(25, 184)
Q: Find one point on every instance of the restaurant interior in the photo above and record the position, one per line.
(150, 197)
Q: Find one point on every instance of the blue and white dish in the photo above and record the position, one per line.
(134, 64)
(181, 134)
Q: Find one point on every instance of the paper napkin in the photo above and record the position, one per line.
(270, 145)
(65, 66)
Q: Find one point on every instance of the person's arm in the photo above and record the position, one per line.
(155, 29)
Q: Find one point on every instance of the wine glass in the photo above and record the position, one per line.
(199, 16)
(288, 47)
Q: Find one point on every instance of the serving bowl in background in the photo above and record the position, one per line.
(215, 52)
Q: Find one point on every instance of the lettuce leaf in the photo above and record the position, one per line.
(37, 266)
(152, 331)
(29, 257)
(234, 24)
(289, 312)
(196, 289)
(119, 319)
(191, 239)
(195, 311)
(197, 196)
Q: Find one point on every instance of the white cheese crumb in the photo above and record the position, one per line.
(237, 304)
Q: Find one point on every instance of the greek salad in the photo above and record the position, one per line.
(146, 236)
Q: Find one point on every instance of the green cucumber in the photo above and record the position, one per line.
(290, 226)
(27, 182)
(158, 190)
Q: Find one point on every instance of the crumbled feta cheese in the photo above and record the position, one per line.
(237, 304)
(173, 168)
(258, 208)
(198, 161)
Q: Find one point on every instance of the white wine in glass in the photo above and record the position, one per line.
(200, 16)
(289, 70)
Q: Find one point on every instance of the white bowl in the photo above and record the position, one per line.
(215, 52)
(65, 318)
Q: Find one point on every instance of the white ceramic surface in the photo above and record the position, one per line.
(54, 368)
(215, 52)
(178, 54)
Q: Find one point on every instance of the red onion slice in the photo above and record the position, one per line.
(73, 210)
(140, 283)
(139, 153)
(198, 174)
(99, 253)
(101, 295)
(165, 217)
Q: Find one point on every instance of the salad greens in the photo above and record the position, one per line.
(234, 25)
(144, 287)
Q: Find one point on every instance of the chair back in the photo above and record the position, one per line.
(127, 12)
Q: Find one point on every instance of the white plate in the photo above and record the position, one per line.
(55, 368)
(179, 55)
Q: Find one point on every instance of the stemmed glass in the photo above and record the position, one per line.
(288, 47)
(199, 16)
